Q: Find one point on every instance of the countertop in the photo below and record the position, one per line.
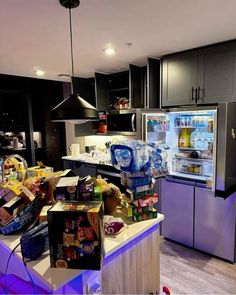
(55, 278)
(88, 159)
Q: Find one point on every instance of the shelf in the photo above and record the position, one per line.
(190, 127)
(189, 149)
(202, 159)
(119, 89)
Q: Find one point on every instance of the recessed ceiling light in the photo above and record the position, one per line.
(109, 51)
(38, 71)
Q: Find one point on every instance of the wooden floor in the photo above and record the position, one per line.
(186, 271)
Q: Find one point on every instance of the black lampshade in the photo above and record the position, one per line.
(74, 109)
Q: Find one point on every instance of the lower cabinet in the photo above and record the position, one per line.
(177, 204)
(195, 217)
(215, 218)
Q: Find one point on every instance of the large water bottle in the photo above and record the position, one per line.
(199, 140)
(193, 138)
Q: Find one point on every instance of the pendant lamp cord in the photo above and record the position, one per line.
(71, 52)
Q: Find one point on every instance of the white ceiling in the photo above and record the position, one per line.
(36, 33)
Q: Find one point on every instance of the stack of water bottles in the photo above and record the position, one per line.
(139, 162)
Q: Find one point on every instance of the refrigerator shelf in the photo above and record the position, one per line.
(201, 159)
(190, 149)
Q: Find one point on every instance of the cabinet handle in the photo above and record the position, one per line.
(194, 93)
(200, 93)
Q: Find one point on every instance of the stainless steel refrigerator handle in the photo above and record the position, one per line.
(104, 172)
(132, 122)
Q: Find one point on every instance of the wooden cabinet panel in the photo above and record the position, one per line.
(123, 273)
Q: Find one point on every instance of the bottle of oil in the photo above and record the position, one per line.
(184, 138)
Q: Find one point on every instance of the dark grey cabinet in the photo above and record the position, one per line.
(150, 84)
(152, 99)
(200, 76)
(179, 79)
(125, 84)
(216, 74)
(102, 91)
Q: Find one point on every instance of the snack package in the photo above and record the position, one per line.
(113, 225)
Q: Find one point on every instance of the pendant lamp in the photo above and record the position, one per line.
(74, 108)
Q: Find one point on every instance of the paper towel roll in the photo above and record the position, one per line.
(75, 149)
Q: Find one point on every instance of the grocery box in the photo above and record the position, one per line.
(43, 213)
(76, 234)
(141, 194)
(145, 204)
(85, 189)
(38, 171)
(67, 188)
(145, 215)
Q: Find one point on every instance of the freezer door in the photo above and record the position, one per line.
(215, 224)
(226, 146)
(177, 204)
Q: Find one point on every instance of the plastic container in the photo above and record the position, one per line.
(184, 138)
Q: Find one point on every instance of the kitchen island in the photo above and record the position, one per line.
(131, 264)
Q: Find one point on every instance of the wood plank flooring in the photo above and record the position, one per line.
(187, 271)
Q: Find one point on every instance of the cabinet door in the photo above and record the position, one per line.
(179, 77)
(153, 83)
(177, 202)
(102, 91)
(215, 224)
(135, 85)
(216, 74)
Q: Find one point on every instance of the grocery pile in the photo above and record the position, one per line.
(139, 162)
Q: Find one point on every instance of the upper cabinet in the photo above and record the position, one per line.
(179, 79)
(101, 91)
(152, 97)
(204, 76)
(120, 90)
(216, 74)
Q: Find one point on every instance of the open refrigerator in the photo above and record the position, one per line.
(199, 143)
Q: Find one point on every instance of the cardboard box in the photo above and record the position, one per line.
(85, 190)
(37, 171)
(43, 213)
(67, 188)
(76, 235)
(145, 215)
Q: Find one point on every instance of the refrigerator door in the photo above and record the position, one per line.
(177, 204)
(214, 225)
(193, 144)
(226, 147)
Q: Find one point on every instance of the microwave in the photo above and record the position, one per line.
(123, 122)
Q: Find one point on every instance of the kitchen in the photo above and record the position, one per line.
(221, 59)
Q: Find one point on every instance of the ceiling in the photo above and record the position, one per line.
(35, 33)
